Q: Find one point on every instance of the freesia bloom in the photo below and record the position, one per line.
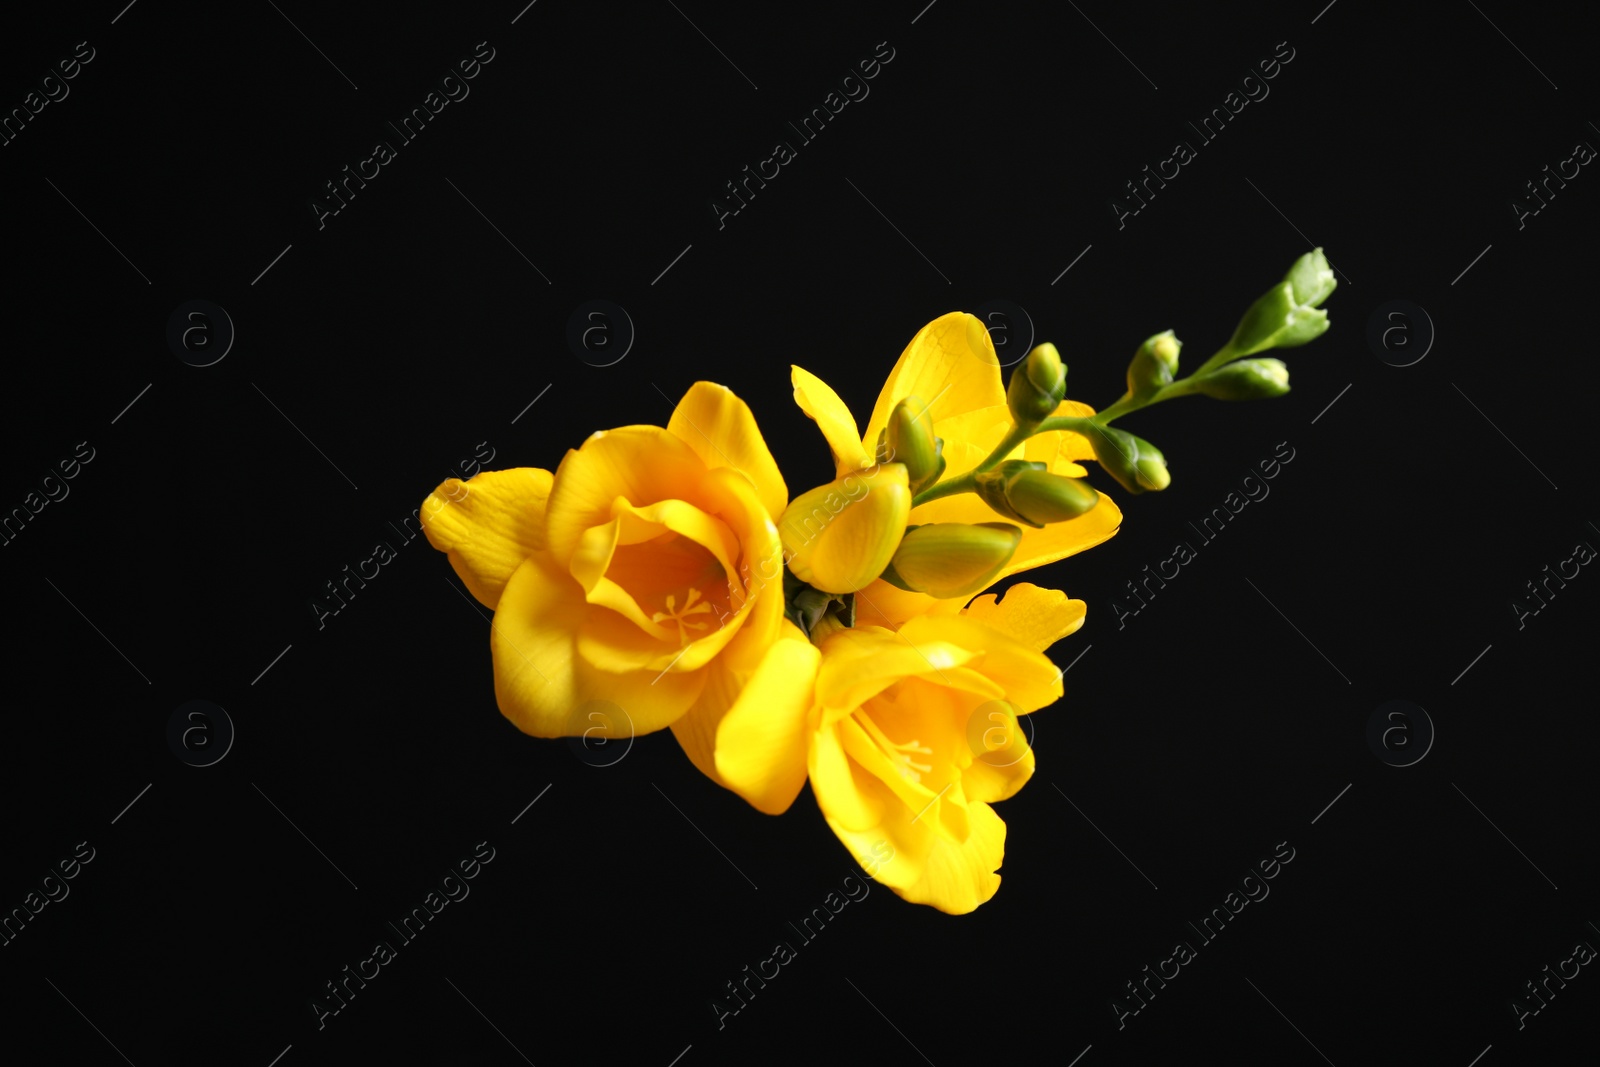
(951, 363)
(909, 736)
(645, 573)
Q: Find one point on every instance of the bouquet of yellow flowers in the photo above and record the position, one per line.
(664, 576)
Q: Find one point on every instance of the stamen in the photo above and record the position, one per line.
(680, 616)
(899, 753)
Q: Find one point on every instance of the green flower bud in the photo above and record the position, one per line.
(1038, 385)
(1135, 463)
(1154, 364)
(1042, 498)
(1311, 278)
(951, 559)
(990, 485)
(1247, 379)
(909, 439)
(1030, 494)
(1287, 315)
(1152, 468)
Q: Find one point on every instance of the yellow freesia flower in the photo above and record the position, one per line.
(951, 362)
(645, 573)
(908, 738)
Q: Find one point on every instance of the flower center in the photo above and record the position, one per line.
(676, 583)
(899, 753)
(692, 605)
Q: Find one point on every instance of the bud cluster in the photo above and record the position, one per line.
(841, 539)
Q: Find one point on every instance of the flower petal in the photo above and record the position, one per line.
(641, 464)
(1028, 678)
(818, 400)
(761, 742)
(970, 436)
(541, 683)
(872, 750)
(1062, 539)
(696, 731)
(957, 878)
(759, 580)
(925, 867)
(1060, 448)
(859, 663)
(719, 427)
(488, 525)
(888, 606)
(1002, 758)
(1030, 614)
(951, 364)
(851, 800)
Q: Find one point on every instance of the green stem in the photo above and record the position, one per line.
(1121, 407)
(1069, 422)
(967, 483)
(1077, 424)
(1170, 391)
(1225, 354)
(1019, 433)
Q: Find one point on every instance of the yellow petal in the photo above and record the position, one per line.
(652, 566)
(696, 730)
(1060, 449)
(888, 606)
(818, 400)
(951, 363)
(1002, 757)
(1054, 451)
(725, 676)
(957, 878)
(1028, 678)
(970, 436)
(761, 742)
(719, 427)
(759, 581)
(488, 525)
(1062, 539)
(841, 536)
(616, 644)
(851, 799)
(542, 684)
(915, 860)
(932, 795)
(859, 663)
(641, 464)
(1030, 614)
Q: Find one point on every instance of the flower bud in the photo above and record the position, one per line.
(1135, 463)
(1038, 385)
(1287, 315)
(840, 536)
(951, 559)
(1154, 364)
(1311, 278)
(1246, 379)
(909, 439)
(1030, 494)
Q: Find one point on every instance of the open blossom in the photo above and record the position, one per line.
(644, 573)
(908, 736)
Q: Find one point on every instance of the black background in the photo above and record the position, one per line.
(1216, 723)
